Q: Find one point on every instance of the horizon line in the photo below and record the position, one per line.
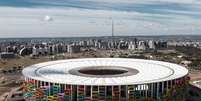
(99, 36)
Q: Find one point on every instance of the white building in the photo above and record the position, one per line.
(141, 45)
(132, 46)
(151, 44)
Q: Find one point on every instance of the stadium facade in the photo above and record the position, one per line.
(105, 79)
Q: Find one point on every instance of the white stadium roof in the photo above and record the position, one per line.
(147, 71)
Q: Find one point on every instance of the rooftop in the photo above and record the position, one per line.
(105, 71)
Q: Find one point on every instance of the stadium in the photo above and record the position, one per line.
(105, 79)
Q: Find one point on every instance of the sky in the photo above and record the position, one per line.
(79, 18)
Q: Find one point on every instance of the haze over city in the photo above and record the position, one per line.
(67, 18)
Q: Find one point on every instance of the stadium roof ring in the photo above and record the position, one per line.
(105, 71)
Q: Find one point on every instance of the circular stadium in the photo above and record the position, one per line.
(105, 79)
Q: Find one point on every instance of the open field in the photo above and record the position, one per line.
(195, 75)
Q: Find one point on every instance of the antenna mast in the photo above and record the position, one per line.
(112, 28)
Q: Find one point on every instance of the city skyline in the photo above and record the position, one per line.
(75, 18)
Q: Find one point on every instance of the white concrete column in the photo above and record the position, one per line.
(49, 88)
(167, 87)
(163, 87)
(152, 90)
(157, 90)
